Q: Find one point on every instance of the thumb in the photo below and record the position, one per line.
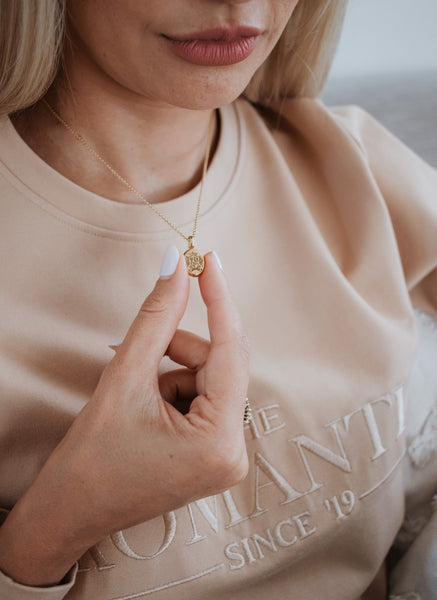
(158, 318)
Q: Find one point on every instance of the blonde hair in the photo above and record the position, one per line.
(300, 61)
(32, 33)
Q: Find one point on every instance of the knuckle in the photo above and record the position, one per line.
(236, 468)
(154, 303)
(241, 470)
(229, 462)
(199, 353)
(115, 376)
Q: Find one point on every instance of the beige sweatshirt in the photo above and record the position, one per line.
(327, 229)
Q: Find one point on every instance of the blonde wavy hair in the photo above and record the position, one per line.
(32, 34)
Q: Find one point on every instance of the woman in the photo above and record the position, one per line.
(308, 209)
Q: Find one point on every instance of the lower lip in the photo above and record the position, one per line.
(213, 53)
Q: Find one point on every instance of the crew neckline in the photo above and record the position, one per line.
(85, 209)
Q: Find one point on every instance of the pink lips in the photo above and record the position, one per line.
(216, 47)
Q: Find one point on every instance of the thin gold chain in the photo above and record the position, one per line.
(83, 141)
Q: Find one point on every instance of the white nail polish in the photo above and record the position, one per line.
(219, 262)
(169, 262)
(118, 342)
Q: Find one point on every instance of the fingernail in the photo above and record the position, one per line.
(116, 344)
(219, 262)
(169, 262)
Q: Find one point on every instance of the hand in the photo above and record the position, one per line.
(130, 455)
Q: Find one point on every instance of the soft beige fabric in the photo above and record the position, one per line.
(415, 576)
(404, 101)
(10, 590)
(322, 227)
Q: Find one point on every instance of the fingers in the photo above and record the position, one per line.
(226, 375)
(188, 349)
(153, 328)
(223, 318)
(222, 365)
(178, 387)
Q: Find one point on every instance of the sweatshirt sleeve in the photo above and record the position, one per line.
(409, 187)
(15, 591)
(11, 590)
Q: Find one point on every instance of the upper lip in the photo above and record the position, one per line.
(221, 34)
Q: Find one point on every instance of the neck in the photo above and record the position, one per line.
(158, 148)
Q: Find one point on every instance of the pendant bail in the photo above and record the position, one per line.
(190, 242)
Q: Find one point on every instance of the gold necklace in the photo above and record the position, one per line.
(194, 259)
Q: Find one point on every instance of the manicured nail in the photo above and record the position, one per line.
(169, 263)
(116, 344)
(219, 262)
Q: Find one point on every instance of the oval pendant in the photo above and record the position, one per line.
(195, 262)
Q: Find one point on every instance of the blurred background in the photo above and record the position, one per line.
(386, 62)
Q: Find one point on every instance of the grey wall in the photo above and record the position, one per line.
(383, 36)
(387, 63)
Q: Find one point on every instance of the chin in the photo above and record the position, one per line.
(208, 95)
(208, 102)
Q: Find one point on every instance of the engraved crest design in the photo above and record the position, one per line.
(195, 262)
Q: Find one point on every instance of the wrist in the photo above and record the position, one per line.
(38, 546)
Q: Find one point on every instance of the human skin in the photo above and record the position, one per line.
(130, 455)
(121, 66)
(145, 110)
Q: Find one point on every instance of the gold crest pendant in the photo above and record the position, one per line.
(194, 259)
